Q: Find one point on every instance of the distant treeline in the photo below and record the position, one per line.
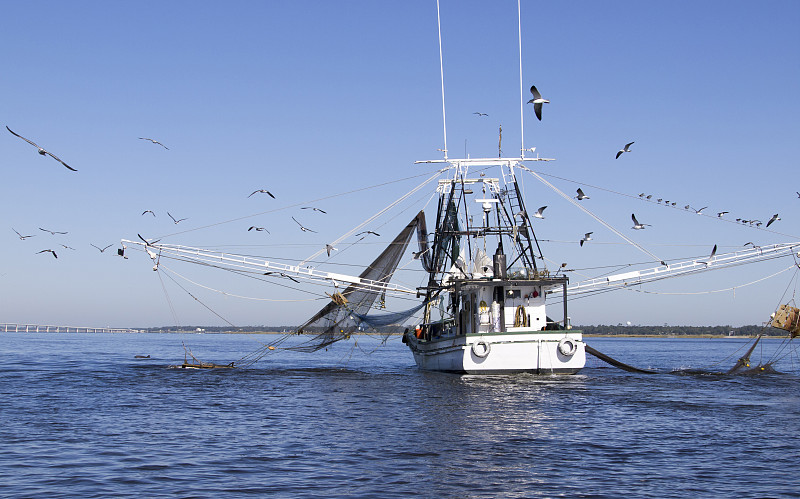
(590, 330)
(680, 330)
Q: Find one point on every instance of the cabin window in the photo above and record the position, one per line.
(513, 294)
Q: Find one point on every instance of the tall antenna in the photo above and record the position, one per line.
(441, 72)
(521, 88)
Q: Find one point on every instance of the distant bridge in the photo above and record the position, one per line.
(39, 328)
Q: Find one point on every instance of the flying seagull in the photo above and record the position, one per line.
(259, 229)
(53, 232)
(68, 247)
(636, 224)
(312, 208)
(774, 218)
(722, 213)
(368, 232)
(710, 258)
(282, 275)
(330, 248)
(41, 151)
(148, 211)
(304, 229)
(587, 237)
(262, 191)
(174, 220)
(537, 102)
(480, 114)
(102, 249)
(538, 213)
(624, 149)
(48, 251)
(700, 210)
(146, 242)
(155, 142)
(581, 196)
(21, 236)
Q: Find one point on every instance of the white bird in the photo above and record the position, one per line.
(178, 220)
(368, 232)
(304, 229)
(710, 258)
(581, 196)
(53, 232)
(101, 249)
(148, 211)
(154, 142)
(700, 210)
(21, 236)
(587, 237)
(774, 218)
(636, 224)
(259, 229)
(330, 248)
(480, 114)
(537, 102)
(722, 213)
(312, 208)
(624, 149)
(263, 191)
(538, 213)
(41, 150)
(48, 251)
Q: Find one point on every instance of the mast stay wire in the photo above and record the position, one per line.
(603, 222)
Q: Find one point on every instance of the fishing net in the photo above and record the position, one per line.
(347, 310)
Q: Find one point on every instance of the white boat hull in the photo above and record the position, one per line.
(536, 352)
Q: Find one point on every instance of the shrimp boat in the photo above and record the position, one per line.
(489, 315)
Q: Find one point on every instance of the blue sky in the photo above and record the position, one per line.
(315, 99)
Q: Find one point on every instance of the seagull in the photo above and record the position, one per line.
(649, 196)
(259, 229)
(722, 213)
(330, 248)
(155, 142)
(22, 238)
(659, 200)
(700, 210)
(312, 208)
(480, 114)
(537, 102)
(798, 194)
(641, 195)
(624, 149)
(587, 237)
(686, 207)
(710, 258)
(636, 224)
(102, 249)
(263, 191)
(750, 243)
(282, 275)
(68, 247)
(581, 196)
(304, 229)
(538, 213)
(41, 151)
(774, 218)
(367, 232)
(148, 211)
(418, 254)
(47, 251)
(146, 242)
(53, 232)
(176, 221)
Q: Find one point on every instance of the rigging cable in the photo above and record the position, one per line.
(608, 226)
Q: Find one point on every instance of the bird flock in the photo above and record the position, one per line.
(175, 220)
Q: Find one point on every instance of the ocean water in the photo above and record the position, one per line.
(79, 416)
